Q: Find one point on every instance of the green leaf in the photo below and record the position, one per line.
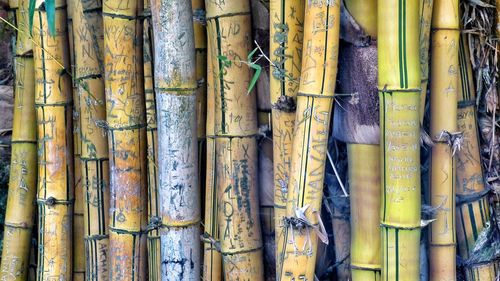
(31, 14)
(255, 67)
(50, 8)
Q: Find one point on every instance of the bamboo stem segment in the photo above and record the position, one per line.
(94, 161)
(126, 138)
(175, 88)
(425, 30)
(19, 218)
(286, 39)
(235, 128)
(399, 95)
(53, 96)
(444, 87)
(314, 107)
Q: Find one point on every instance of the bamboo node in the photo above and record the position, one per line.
(209, 239)
(452, 139)
(154, 223)
(286, 104)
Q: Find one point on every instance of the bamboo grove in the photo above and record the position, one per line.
(147, 136)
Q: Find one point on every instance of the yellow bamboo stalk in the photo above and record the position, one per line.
(94, 162)
(126, 123)
(364, 187)
(20, 209)
(154, 265)
(425, 30)
(444, 87)
(286, 38)
(314, 107)
(53, 96)
(473, 212)
(212, 259)
(399, 90)
(229, 28)
(78, 222)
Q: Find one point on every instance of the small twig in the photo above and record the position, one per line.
(337, 175)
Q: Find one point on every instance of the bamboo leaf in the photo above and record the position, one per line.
(254, 66)
(50, 8)
(31, 14)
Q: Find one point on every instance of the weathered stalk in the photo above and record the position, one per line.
(473, 212)
(399, 96)
(175, 88)
(53, 97)
(94, 161)
(285, 44)
(20, 209)
(229, 29)
(444, 87)
(314, 107)
(154, 266)
(212, 259)
(425, 40)
(126, 138)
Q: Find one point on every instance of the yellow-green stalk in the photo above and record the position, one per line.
(444, 88)
(425, 40)
(126, 123)
(20, 208)
(399, 95)
(53, 97)
(314, 106)
(286, 39)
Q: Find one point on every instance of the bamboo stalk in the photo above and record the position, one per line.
(364, 186)
(212, 259)
(286, 38)
(425, 30)
(94, 161)
(53, 98)
(314, 107)
(473, 215)
(126, 138)
(78, 221)
(154, 267)
(399, 90)
(229, 28)
(445, 75)
(175, 88)
(20, 209)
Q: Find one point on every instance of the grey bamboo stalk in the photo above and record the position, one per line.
(126, 125)
(53, 97)
(88, 77)
(19, 218)
(154, 268)
(175, 88)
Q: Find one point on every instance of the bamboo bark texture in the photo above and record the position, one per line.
(444, 89)
(154, 266)
(126, 125)
(94, 160)
(53, 97)
(399, 96)
(20, 211)
(314, 107)
(472, 211)
(212, 259)
(425, 40)
(286, 38)
(235, 128)
(175, 88)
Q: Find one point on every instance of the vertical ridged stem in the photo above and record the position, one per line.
(235, 129)
(314, 108)
(154, 266)
(399, 96)
(126, 125)
(175, 89)
(20, 209)
(286, 38)
(425, 40)
(53, 97)
(212, 261)
(444, 88)
(94, 161)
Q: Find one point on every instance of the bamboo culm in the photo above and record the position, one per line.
(19, 216)
(126, 124)
(175, 88)
(53, 97)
